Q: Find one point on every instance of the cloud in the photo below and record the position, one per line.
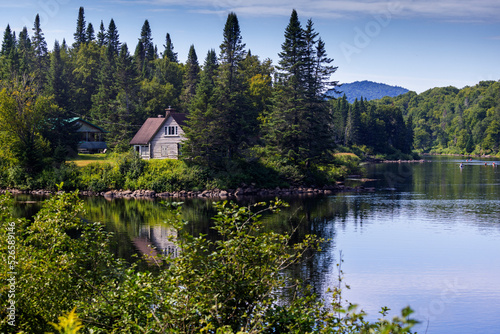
(457, 10)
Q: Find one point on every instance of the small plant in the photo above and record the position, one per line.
(69, 324)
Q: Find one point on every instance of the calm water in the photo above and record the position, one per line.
(428, 237)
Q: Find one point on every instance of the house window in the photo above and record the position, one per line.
(171, 131)
(145, 150)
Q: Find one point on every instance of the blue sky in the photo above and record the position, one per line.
(414, 44)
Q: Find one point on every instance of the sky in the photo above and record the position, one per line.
(415, 44)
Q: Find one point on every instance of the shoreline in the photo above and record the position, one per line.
(247, 191)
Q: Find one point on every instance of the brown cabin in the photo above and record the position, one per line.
(160, 137)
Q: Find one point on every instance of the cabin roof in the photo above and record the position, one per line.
(152, 125)
(87, 124)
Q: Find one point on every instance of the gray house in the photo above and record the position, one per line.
(160, 137)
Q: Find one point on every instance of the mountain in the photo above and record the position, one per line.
(369, 90)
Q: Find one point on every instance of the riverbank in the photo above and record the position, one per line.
(214, 193)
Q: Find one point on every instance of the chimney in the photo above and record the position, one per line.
(169, 110)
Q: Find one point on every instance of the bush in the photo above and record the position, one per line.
(226, 284)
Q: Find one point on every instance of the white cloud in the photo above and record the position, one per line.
(461, 10)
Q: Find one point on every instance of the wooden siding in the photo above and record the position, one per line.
(166, 146)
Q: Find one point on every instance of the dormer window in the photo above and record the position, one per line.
(171, 130)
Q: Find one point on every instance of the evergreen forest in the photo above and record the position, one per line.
(246, 116)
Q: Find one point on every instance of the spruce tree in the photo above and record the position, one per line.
(80, 34)
(235, 116)
(283, 127)
(112, 40)
(191, 77)
(90, 33)
(145, 51)
(8, 43)
(300, 126)
(127, 89)
(169, 50)
(101, 35)
(40, 53)
(202, 138)
(25, 52)
(232, 50)
(56, 86)
(8, 55)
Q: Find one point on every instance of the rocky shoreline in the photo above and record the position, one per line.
(245, 191)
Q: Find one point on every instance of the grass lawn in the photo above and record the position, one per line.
(85, 159)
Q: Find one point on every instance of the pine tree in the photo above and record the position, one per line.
(236, 117)
(25, 52)
(169, 50)
(103, 110)
(8, 54)
(101, 35)
(90, 34)
(112, 40)
(80, 34)
(283, 127)
(291, 57)
(202, 138)
(232, 50)
(56, 85)
(40, 53)
(191, 78)
(126, 100)
(8, 43)
(145, 51)
(300, 126)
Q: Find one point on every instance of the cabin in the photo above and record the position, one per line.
(91, 136)
(160, 137)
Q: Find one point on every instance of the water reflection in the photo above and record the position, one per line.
(428, 237)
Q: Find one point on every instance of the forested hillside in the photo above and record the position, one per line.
(368, 90)
(451, 120)
(243, 113)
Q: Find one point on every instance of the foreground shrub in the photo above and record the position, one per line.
(230, 284)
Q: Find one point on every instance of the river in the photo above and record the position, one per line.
(427, 237)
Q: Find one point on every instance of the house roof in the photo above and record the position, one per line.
(152, 125)
(147, 131)
(180, 118)
(86, 125)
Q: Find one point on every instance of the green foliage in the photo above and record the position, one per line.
(453, 121)
(299, 126)
(228, 284)
(69, 324)
(60, 260)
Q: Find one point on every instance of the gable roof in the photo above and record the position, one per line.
(86, 125)
(147, 131)
(152, 125)
(180, 118)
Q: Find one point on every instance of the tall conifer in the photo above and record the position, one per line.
(169, 50)
(101, 35)
(40, 53)
(25, 52)
(191, 77)
(90, 33)
(112, 40)
(80, 34)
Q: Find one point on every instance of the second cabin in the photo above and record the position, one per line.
(160, 137)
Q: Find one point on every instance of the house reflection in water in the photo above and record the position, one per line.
(155, 242)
